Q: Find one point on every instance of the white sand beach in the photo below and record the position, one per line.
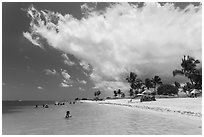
(185, 110)
(190, 107)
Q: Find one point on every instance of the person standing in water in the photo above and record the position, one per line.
(68, 114)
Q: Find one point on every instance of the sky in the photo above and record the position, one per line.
(60, 51)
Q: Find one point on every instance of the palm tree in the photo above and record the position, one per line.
(97, 93)
(135, 83)
(122, 94)
(148, 83)
(115, 93)
(131, 93)
(119, 92)
(132, 80)
(156, 81)
(189, 70)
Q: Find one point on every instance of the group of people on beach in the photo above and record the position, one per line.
(44, 106)
(63, 103)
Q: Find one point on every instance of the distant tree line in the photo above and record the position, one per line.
(189, 69)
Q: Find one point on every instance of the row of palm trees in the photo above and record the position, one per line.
(137, 85)
(97, 93)
(119, 92)
(188, 69)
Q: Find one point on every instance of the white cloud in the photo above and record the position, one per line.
(85, 65)
(51, 72)
(67, 61)
(149, 41)
(65, 75)
(82, 81)
(34, 41)
(64, 85)
(39, 87)
(66, 81)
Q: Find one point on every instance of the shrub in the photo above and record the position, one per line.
(167, 89)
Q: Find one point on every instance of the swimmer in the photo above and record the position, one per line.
(68, 114)
(46, 106)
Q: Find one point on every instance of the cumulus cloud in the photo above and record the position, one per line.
(66, 60)
(33, 40)
(82, 81)
(65, 85)
(149, 40)
(85, 65)
(66, 81)
(51, 72)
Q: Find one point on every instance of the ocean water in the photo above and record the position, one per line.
(22, 118)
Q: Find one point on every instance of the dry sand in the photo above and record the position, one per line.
(183, 106)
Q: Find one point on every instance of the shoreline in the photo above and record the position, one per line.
(184, 106)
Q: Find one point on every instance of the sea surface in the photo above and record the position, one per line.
(22, 118)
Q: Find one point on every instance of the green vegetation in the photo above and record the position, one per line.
(156, 81)
(177, 84)
(135, 83)
(118, 93)
(96, 94)
(122, 95)
(115, 93)
(131, 93)
(190, 70)
(167, 89)
(148, 83)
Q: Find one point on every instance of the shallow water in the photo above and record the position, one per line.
(91, 118)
